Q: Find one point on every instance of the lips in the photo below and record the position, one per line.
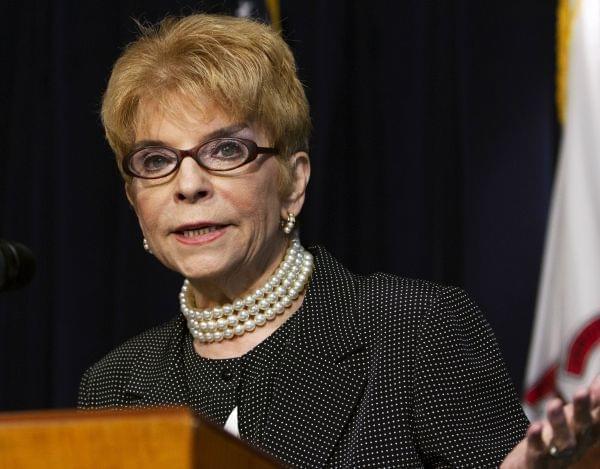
(200, 226)
(199, 233)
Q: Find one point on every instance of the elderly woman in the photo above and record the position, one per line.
(281, 345)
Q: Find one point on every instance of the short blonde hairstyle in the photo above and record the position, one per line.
(241, 65)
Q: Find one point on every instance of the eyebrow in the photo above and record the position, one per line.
(228, 131)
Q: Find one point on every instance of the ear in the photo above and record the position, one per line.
(300, 167)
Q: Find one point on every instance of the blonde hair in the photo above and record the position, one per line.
(242, 66)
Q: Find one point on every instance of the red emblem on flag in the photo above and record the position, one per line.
(582, 345)
(580, 349)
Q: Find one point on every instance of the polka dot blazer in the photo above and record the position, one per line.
(380, 371)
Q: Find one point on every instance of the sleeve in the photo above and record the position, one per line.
(83, 398)
(466, 410)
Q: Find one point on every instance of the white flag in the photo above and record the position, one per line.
(565, 348)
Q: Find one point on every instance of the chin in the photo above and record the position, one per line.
(204, 266)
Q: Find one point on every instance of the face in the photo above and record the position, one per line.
(216, 229)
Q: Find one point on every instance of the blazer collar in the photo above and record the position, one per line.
(320, 376)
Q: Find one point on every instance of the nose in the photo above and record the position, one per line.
(192, 182)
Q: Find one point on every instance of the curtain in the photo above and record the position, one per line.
(433, 154)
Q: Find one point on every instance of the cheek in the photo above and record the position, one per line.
(149, 205)
(257, 200)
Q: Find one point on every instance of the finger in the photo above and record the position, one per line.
(535, 443)
(595, 408)
(595, 393)
(582, 419)
(563, 437)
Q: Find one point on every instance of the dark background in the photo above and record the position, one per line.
(433, 155)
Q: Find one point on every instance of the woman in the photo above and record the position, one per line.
(285, 347)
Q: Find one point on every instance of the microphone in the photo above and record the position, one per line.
(17, 265)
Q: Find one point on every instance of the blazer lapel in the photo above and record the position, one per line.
(320, 377)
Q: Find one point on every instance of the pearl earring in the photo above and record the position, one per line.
(146, 246)
(288, 225)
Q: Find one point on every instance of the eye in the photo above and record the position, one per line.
(229, 150)
(153, 161)
(223, 154)
(156, 161)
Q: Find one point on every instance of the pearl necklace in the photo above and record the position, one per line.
(266, 303)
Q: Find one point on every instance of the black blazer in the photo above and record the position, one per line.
(381, 371)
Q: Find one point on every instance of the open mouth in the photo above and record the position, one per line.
(199, 233)
(194, 233)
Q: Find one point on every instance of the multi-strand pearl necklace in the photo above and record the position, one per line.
(266, 303)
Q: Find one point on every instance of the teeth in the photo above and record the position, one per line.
(200, 232)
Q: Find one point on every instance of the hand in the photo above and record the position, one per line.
(570, 432)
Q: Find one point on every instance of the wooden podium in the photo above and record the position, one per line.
(155, 438)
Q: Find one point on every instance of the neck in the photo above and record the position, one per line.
(275, 295)
(241, 281)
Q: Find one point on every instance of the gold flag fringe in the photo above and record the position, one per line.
(274, 10)
(565, 15)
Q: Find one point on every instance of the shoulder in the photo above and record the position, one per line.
(379, 287)
(387, 297)
(423, 314)
(375, 286)
(149, 351)
(401, 299)
(388, 290)
(386, 307)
